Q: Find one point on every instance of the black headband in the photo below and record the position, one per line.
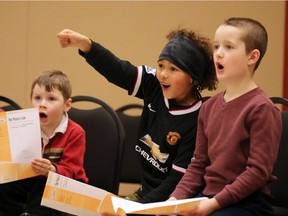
(186, 55)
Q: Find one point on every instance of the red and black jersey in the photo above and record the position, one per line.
(167, 131)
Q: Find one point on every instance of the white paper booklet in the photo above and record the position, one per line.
(20, 142)
(70, 196)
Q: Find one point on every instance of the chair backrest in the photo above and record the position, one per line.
(11, 104)
(279, 100)
(205, 98)
(279, 188)
(104, 142)
(131, 166)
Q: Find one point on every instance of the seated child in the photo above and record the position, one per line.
(63, 144)
(239, 131)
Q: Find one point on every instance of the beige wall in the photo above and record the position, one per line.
(133, 30)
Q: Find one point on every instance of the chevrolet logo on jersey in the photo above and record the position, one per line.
(162, 157)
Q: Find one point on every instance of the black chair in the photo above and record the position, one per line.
(280, 100)
(104, 142)
(279, 188)
(206, 98)
(11, 105)
(131, 167)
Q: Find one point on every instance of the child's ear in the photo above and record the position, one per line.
(68, 105)
(253, 57)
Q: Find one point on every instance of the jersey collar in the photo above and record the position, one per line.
(181, 111)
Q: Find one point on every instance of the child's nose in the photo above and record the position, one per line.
(164, 73)
(42, 103)
(219, 52)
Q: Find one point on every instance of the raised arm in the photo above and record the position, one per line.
(71, 38)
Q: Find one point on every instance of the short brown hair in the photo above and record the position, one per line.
(255, 35)
(54, 79)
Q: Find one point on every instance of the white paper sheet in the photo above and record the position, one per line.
(67, 195)
(20, 142)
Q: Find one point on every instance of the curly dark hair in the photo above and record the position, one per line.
(210, 80)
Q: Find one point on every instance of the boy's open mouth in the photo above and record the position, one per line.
(42, 115)
(220, 66)
(165, 85)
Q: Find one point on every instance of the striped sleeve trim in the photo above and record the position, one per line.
(178, 169)
(138, 81)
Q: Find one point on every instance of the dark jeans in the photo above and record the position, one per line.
(24, 196)
(257, 204)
